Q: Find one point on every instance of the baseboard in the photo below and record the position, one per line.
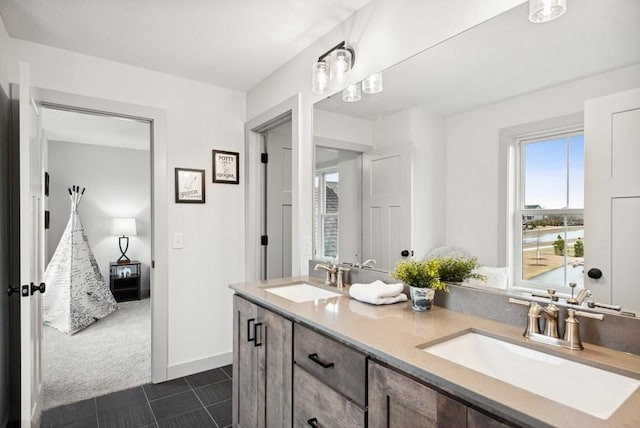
(196, 366)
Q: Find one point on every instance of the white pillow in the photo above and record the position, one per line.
(497, 277)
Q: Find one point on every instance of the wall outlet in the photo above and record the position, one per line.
(178, 241)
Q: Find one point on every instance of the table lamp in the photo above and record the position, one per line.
(124, 228)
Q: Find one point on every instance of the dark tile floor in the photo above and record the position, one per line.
(200, 400)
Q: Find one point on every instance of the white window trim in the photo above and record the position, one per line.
(319, 218)
(510, 182)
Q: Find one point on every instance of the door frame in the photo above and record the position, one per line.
(157, 119)
(290, 109)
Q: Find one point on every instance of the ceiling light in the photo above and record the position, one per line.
(372, 84)
(332, 68)
(351, 93)
(546, 10)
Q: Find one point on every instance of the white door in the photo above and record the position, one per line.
(612, 198)
(278, 201)
(386, 207)
(31, 252)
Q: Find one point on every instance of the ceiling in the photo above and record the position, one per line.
(229, 43)
(99, 130)
(505, 57)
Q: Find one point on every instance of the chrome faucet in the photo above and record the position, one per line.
(331, 270)
(366, 264)
(551, 334)
(582, 294)
(341, 281)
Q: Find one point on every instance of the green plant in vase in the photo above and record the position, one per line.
(423, 279)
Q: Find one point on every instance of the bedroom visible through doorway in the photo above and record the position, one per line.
(104, 163)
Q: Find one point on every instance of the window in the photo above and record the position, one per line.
(326, 193)
(549, 212)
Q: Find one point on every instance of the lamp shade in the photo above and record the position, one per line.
(124, 227)
(546, 10)
(372, 84)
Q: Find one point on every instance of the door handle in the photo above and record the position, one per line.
(255, 334)
(250, 329)
(24, 290)
(313, 422)
(41, 288)
(314, 357)
(594, 273)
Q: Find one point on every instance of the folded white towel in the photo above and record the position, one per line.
(378, 293)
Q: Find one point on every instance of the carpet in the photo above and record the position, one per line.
(109, 355)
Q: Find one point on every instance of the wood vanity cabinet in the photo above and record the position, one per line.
(398, 401)
(262, 366)
(329, 381)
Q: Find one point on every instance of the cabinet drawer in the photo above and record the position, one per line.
(337, 365)
(317, 405)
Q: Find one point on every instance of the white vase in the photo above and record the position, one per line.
(421, 298)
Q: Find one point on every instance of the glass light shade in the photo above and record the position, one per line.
(372, 84)
(320, 78)
(351, 93)
(340, 65)
(124, 227)
(546, 10)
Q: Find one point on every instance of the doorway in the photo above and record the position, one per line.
(277, 158)
(108, 157)
(26, 399)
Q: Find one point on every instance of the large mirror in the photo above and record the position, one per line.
(494, 142)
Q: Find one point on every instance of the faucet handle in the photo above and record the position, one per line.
(572, 328)
(599, 317)
(519, 302)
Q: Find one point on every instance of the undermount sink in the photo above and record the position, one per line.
(302, 292)
(588, 389)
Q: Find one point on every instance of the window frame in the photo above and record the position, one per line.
(319, 218)
(512, 193)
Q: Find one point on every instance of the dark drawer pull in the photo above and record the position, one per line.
(255, 334)
(313, 422)
(250, 329)
(314, 357)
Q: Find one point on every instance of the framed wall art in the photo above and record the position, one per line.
(190, 186)
(226, 167)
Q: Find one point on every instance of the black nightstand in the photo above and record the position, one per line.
(124, 280)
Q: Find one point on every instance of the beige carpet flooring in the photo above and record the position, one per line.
(109, 355)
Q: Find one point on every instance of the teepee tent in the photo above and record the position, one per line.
(77, 295)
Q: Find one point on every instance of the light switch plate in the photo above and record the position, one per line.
(178, 241)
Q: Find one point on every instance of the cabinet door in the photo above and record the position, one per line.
(245, 365)
(398, 401)
(317, 405)
(275, 341)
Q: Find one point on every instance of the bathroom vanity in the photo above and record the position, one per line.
(304, 360)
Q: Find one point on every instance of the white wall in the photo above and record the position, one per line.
(472, 154)
(4, 57)
(344, 131)
(118, 183)
(428, 202)
(200, 117)
(383, 33)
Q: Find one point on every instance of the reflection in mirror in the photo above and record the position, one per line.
(337, 214)
(503, 141)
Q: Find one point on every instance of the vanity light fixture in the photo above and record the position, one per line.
(372, 84)
(332, 68)
(546, 10)
(352, 93)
